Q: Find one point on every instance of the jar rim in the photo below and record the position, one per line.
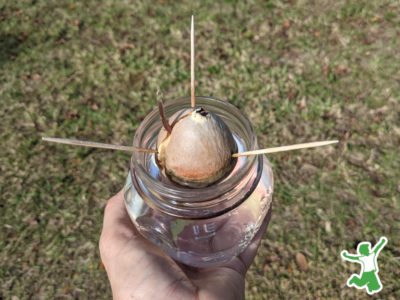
(182, 195)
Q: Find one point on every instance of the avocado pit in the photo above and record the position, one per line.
(198, 150)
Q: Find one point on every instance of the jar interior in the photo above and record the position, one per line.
(146, 137)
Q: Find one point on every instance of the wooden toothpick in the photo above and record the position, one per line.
(131, 149)
(96, 145)
(193, 100)
(285, 148)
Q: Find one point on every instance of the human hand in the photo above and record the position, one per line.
(137, 269)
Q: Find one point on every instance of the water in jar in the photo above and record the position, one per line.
(203, 242)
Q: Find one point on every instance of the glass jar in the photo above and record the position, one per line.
(202, 227)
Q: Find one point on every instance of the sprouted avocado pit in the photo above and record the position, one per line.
(198, 149)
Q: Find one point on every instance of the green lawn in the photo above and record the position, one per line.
(300, 70)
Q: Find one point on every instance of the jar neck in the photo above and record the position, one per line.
(219, 204)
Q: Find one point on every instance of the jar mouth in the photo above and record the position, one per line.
(146, 137)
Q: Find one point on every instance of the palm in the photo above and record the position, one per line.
(137, 269)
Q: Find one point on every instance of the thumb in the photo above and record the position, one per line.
(117, 226)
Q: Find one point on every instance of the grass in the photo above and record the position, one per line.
(300, 70)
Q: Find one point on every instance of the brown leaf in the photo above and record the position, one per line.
(332, 167)
(326, 70)
(351, 224)
(286, 24)
(59, 42)
(272, 258)
(301, 262)
(289, 269)
(340, 69)
(23, 36)
(265, 267)
(291, 94)
(129, 46)
(65, 289)
(94, 106)
(36, 77)
(71, 115)
(377, 118)
(76, 161)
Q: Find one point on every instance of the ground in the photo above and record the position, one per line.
(300, 70)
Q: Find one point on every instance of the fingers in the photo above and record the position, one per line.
(115, 213)
(117, 226)
(116, 218)
(248, 255)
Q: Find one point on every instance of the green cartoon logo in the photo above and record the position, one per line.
(368, 277)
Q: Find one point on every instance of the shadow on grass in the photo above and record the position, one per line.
(10, 47)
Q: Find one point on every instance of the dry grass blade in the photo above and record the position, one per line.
(285, 148)
(96, 145)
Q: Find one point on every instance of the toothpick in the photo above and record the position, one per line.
(192, 57)
(285, 148)
(96, 145)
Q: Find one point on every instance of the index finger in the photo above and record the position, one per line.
(116, 221)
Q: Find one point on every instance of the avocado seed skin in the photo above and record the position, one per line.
(199, 149)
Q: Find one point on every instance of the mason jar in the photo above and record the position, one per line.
(200, 227)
